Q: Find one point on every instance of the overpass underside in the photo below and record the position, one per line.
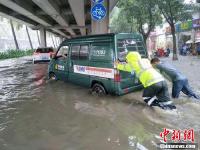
(65, 18)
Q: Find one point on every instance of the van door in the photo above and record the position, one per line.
(61, 63)
(101, 62)
(78, 64)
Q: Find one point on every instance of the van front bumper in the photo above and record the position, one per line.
(39, 61)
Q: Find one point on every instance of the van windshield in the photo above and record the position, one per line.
(127, 45)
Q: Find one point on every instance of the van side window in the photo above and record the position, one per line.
(75, 52)
(84, 51)
(63, 52)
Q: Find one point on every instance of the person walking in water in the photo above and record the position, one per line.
(178, 79)
(155, 87)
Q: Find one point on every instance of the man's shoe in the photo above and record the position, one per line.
(156, 103)
(197, 97)
(193, 99)
(169, 107)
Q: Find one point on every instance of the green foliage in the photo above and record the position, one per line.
(15, 53)
(174, 10)
(120, 23)
(142, 14)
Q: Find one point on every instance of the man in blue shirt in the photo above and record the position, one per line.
(180, 82)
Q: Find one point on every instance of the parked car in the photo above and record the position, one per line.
(89, 61)
(42, 54)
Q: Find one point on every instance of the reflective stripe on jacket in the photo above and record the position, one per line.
(143, 69)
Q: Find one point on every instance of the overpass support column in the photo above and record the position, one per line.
(102, 26)
(43, 42)
(61, 39)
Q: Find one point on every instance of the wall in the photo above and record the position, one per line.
(6, 37)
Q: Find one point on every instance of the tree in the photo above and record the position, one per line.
(120, 23)
(173, 11)
(14, 35)
(143, 14)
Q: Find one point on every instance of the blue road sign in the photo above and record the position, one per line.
(98, 12)
(98, 1)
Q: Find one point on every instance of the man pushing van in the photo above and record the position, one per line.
(155, 87)
(178, 79)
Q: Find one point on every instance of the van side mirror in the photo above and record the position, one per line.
(52, 55)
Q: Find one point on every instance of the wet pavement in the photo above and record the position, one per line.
(37, 114)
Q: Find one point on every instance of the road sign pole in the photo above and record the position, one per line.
(100, 25)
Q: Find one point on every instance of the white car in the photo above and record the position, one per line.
(42, 54)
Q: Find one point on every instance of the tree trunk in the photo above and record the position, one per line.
(14, 35)
(145, 40)
(29, 38)
(38, 37)
(175, 57)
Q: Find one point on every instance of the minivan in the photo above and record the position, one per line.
(89, 61)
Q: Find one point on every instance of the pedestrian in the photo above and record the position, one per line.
(167, 51)
(184, 50)
(181, 50)
(155, 87)
(198, 48)
(178, 79)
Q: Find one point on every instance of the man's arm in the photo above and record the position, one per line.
(159, 69)
(124, 67)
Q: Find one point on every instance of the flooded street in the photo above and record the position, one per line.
(37, 114)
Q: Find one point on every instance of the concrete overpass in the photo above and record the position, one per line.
(65, 18)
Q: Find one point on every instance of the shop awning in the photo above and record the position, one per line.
(197, 41)
(189, 42)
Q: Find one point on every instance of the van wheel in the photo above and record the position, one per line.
(52, 76)
(98, 89)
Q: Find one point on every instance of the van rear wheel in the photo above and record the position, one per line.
(98, 89)
(52, 76)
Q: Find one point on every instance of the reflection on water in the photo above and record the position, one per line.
(37, 114)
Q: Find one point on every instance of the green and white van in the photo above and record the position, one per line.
(89, 61)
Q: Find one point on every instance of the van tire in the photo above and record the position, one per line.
(52, 76)
(98, 89)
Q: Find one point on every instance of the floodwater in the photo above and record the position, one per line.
(37, 114)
